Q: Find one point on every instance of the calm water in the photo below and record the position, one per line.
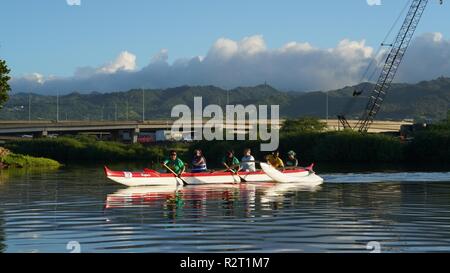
(403, 211)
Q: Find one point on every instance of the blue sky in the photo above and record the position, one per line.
(111, 45)
(52, 38)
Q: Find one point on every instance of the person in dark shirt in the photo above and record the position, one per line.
(291, 161)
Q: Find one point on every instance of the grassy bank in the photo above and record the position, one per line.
(25, 161)
(11, 160)
(79, 149)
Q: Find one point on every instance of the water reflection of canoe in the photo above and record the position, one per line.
(276, 191)
(154, 178)
(197, 196)
(150, 195)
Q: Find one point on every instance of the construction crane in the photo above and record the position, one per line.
(390, 68)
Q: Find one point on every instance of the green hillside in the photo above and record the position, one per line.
(425, 100)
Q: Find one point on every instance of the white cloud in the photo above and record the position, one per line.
(253, 45)
(427, 58)
(161, 57)
(223, 49)
(73, 2)
(228, 63)
(35, 77)
(125, 61)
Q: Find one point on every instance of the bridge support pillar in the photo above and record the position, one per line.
(44, 133)
(134, 135)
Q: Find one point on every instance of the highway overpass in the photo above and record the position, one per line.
(114, 128)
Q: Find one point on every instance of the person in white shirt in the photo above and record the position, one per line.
(248, 162)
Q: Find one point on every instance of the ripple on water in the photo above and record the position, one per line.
(43, 212)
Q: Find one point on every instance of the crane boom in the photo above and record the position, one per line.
(392, 64)
(390, 68)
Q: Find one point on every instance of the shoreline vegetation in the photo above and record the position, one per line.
(9, 160)
(305, 136)
(84, 148)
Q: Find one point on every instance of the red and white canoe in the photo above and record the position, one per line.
(154, 178)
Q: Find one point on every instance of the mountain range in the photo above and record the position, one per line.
(427, 100)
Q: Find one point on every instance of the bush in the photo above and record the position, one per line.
(430, 146)
(317, 147)
(356, 147)
(83, 148)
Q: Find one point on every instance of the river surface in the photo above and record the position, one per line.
(78, 209)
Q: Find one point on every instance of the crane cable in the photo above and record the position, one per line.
(356, 93)
(383, 44)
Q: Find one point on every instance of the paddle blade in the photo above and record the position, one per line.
(184, 182)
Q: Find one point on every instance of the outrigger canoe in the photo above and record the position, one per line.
(153, 178)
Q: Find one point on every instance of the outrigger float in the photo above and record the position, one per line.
(267, 174)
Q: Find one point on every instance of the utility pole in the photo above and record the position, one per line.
(143, 105)
(127, 109)
(327, 113)
(57, 106)
(29, 107)
(115, 111)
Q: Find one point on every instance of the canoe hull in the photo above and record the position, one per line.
(152, 178)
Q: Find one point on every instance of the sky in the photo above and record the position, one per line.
(302, 45)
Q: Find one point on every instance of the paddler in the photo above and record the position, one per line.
(230, 162)
(174, 163)
(248, 161)
(198, 162)
(291, 161)
(275, 161)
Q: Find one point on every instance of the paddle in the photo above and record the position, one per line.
(176, 175)
(235, 172)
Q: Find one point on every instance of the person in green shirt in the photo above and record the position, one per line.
(174, 163)
(231, 162)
